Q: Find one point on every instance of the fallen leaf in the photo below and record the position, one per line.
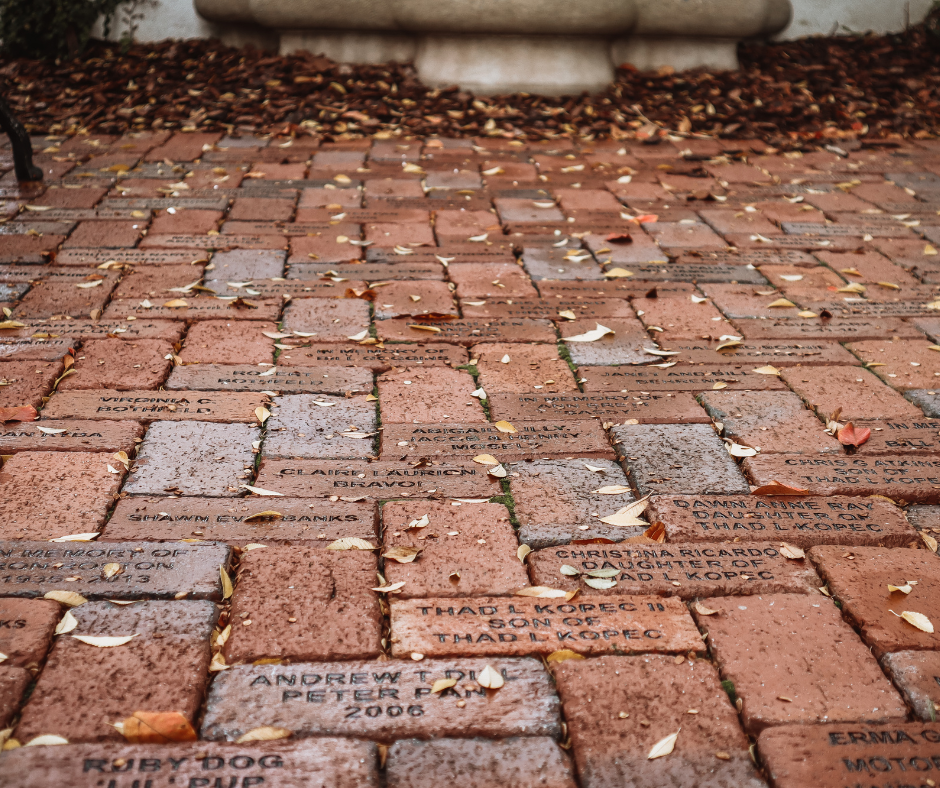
(350, 543)
(567, 314)
(610, 273)
(177, 303)
(262, 414)
(479, 394)
(614, 489)
(268, 514)
(699, 608)
(850, 435)
(390, 589)
(779, 488)
(595, 469)
(590, 336)
(737, 450)
(540, 592)
(768, 370)
(791, 551)
(50, 431)
(497, 472)
(930, 542)
(67, 598)
(600, 582)
(486, 459)
(918, 620)
(664, 746)
(89, 537)
(105, 641)
(403, 555)
(66, 624)
(569, 571)
(522, 552)
(421, 522)
(657, 352)
(157, 727)
(259, 490)
(490, 678)
(505, 426)
(905, 589)
(731, 343)
(19, 413)
(227, 588)
(780, 302)
(111, 570)
(629, 515)
(442, 684)
(563, 654)
(46, 740)
(264, 733)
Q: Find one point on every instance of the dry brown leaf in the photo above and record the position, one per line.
(593, 335)
(791, 551)
(89, 537)
(779, 488)
(227, 588)
(522, 552)
(260, 490)
(262, 414)
(486, 459)
(403, 555)
(629, 515)
(350, 543)
(66, 624)
(918, 620)
(540, 592)
(699, 608)
(112, 569)
(390, 589)
(766, 370)
(614, 489)
(267, 514)
(157, 727)
(505, 426)
(176, 303)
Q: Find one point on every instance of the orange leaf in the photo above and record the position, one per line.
(158, 727)
(646, 218)
(779, 488)
(620, 238)
(850, 435)
(18, 413)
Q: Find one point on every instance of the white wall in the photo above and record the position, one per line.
(178, 19)
(823, 17)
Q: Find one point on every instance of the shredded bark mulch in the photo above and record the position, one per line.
(786, 93)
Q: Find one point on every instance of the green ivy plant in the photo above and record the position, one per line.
(51, 28)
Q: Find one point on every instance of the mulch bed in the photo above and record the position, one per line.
(786, 93)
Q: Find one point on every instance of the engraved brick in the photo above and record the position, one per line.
(225, 406)
(521, 626)
(383, 701)
(466, 332)
(663, 408)
(290, 380)
(373, 357)
(678, 378)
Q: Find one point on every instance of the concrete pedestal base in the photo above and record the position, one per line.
(492, 64)
(649, 53)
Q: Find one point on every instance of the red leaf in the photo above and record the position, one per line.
(19, 413)
(620, 238)
(779, 488)
(850, 435)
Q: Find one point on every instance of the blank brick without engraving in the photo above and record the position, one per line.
(314, 426)
(193, 458)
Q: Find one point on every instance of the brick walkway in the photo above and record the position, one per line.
(337, 449)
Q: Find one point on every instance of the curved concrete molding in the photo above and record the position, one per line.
(732, 19)
(550, 65)
(497, 46)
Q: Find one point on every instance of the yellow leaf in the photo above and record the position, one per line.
(704, 611)
(390, 589)
(268, 514)
(905, 589)
(227, 588)
(419, 327)
(768, 370)
(719, 385)
(110, 570)
(562, 654)
(854, 287)
(889, 285)
(442, 684)
(568, 314)
(918, 620)
(929, 250)
(176, 302)
(663, 746)
(780, 302)
(264, 733)
(505, 426)
(930, 542)
(262, 414)
(67, 598)
(105, 641)
(490, 678)
(523, 551)
(807, 313)
(486, 459)
(617, 273)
